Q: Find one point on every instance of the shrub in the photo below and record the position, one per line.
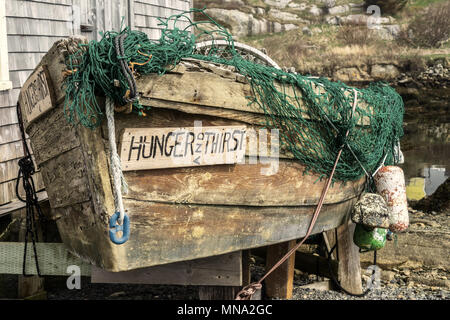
(354, 35)
(431, 28)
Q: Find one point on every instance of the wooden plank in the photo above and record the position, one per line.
(280, 283)
(12, 150)
(10, 188)
(155, 148)
(217, 185)
(24, 26)
(181, 232)
(52, 136)
(8, 116)
(55, 172)
(223, 270)
(200, 88)
(349, 263)
(17, 205)
(38, 10)
(9, 133)
(37, 95)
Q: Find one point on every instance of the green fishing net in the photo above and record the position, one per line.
(312, 114)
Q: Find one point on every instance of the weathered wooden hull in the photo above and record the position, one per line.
(176, 214)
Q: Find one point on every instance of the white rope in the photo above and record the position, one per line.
(119, 183)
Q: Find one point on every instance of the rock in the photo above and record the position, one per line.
(384, 72)
(330, 3)
(339, 9)
(282, 15)
(332, 20)
(278, 3)
(315, 11)
(406, 272)
(241, 24)
(355, 19)
(371, 210)
(356, 7)
(387, 276)
(297, 6)
(389, 32)
(260, 11)
(236, 2)
(307, 31)
(350, 74)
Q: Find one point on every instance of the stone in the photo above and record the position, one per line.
(237, 2)
(278, 3)
(388, 32)
(306, 31)
(384, 72)
(339, 9)
(355, 19)
(260, 11)
(356, 7)
(387, 276)
(371, 210)
(315, 11)
(282, 15)
(297, 6)
(332, 20)
(350, 74)
(241, 24)
(329, 3)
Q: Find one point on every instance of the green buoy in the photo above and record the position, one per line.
(369, 238)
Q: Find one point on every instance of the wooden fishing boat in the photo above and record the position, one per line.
(177, 213)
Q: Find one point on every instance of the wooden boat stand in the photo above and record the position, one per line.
(218, 277)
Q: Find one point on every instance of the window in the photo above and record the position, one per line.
(5, 84)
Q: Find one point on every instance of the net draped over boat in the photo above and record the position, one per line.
(312, 114)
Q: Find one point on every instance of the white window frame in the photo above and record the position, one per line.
(5, 83)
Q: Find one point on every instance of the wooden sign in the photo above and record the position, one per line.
(36, 97)
(154, 148)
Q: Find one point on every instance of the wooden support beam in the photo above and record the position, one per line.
(280, 283)
(314, 264)
(223, 270)
(349, 268)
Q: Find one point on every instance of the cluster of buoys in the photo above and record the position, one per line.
(378, 215)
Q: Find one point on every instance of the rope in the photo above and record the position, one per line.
(26, 171)
(119, 183)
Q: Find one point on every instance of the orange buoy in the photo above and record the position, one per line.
(390, 183)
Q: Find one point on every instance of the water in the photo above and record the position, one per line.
(426, 148)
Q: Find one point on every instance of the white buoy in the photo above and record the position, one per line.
(390, 183)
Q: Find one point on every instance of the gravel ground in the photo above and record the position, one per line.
(395, 285)
(420, 282)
